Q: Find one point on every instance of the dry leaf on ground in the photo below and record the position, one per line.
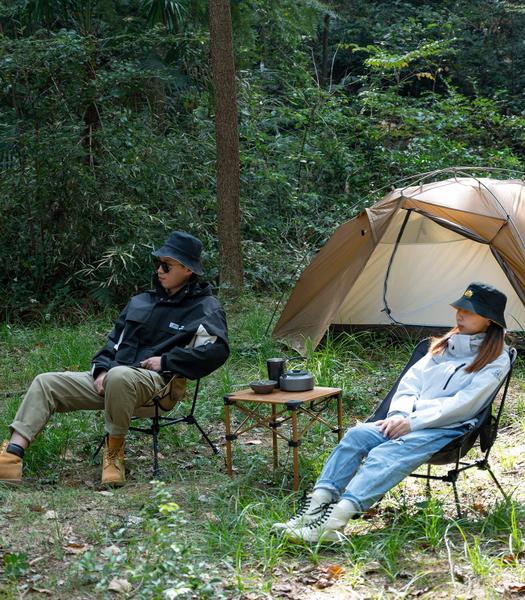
(120, 586)
(74, 548)
(334, 571)
(40, 591)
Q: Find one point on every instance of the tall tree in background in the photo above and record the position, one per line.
(227, 142)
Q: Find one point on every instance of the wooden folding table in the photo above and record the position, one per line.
(286, 407)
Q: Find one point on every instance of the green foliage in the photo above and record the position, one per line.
(420, 63)
(156, 564)
(107, 132)
(15, 564)
(480, 560)
(167, 12)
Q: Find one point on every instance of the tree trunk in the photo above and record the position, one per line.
(227, 141)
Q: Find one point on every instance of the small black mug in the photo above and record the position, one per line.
(276, 367)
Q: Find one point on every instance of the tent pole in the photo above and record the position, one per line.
(385, 284)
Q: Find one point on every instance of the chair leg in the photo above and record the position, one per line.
(456, 498)
(99, 447)
(491, 473)
(428, 489)
(155, 438)
(205, 436)
(157, 421)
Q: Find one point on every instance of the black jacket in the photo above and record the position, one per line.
(188, 330)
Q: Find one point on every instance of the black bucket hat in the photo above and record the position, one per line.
(185, 248)
(484, 300)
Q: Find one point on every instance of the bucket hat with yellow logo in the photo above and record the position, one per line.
(484, 300)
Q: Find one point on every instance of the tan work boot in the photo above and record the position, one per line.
(10, 466)
(113, 471)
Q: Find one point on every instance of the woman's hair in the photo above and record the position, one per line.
(491, 347)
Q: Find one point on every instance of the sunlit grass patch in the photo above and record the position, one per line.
(408, 544)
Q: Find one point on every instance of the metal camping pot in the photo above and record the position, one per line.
(276, 367)
(296, 380)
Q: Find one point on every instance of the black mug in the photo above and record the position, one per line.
(276, 367)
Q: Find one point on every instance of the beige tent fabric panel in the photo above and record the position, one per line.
(418, 229)
(511, 251)
(452, 193)
(337, 253)
(420, 270)
(508, 195)
(363, 305)
(515, 204)
(485, 227)
(421, 294)
(485, 197)
(325, 282)
(380, 214)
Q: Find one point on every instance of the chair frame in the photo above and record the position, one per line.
(157, 422)
(485, 430)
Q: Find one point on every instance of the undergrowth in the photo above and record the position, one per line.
(148, 555)
(163, 538)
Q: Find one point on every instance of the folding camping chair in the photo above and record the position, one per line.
(152, 411)
(485, 430)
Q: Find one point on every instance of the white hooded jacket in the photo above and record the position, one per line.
(438, 392)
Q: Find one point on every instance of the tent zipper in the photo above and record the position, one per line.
(452, 374)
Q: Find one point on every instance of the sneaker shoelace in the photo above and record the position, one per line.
(304, 505)
(325, 511)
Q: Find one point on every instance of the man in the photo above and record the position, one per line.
(163, 336)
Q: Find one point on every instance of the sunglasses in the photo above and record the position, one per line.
(166, 267)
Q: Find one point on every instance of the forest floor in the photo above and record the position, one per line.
(201, 534)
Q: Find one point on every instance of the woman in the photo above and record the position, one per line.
(437, 400)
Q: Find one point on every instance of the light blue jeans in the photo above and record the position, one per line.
(386, 462)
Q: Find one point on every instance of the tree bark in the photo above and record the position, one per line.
(227, 142)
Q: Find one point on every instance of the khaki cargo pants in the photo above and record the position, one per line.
(128, 391)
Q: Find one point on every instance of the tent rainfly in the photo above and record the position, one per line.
(402, 261)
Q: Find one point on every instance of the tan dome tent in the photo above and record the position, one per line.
(403, 260)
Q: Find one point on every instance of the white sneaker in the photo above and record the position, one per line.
(327, 527)
(309, 510)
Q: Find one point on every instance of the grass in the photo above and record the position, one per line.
(60, 532)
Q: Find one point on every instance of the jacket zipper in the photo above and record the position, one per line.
(452, 375)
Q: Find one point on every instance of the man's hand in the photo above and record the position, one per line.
(99, 382)
(394, 427)
(153, 363)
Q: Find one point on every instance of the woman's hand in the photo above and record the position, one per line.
(153, 363)
(394, 427)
